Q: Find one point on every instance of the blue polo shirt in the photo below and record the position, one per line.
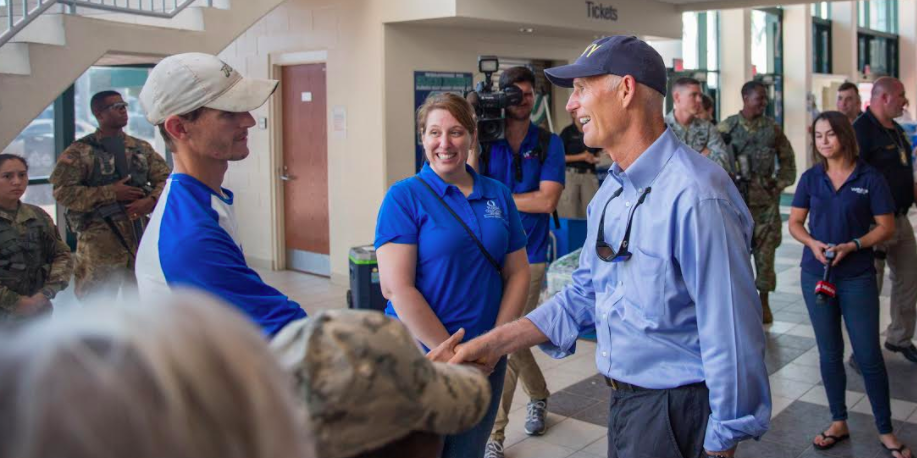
(501, 168)
(840, 216)
(462, 287)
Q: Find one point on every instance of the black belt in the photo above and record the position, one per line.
(578, 170)
(624, 386)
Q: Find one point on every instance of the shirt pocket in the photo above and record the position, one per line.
(646, 276)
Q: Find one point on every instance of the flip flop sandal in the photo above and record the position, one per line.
(836, 440)
(892, 451)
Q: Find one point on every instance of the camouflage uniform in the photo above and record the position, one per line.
(763, 142)
(366, 384)
(33, 258)
(83, 182)
(702, 134)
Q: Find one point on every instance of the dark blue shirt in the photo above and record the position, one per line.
(840, 216)
(501, 168)
(462, 287)
(889, 151)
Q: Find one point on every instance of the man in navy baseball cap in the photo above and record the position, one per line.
(616, 55)
(665, 276)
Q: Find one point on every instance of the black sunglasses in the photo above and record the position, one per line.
(604, 251)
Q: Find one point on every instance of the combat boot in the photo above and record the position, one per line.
(768, 316)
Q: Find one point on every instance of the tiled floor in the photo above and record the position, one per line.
(579, 406)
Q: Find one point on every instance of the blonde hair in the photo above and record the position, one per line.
(185, 378)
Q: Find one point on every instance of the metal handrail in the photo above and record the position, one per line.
(15, 26)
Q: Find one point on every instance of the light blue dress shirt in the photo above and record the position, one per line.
(684, 308)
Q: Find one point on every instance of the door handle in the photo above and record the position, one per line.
(285, 177)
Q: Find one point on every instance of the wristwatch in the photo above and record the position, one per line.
(715, 455)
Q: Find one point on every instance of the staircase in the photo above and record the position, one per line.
(47, 56)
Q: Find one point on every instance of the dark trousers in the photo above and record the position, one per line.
(471, 443)
(658, 423)
(857, 302)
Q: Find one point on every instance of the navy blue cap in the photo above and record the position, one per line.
(615, 55)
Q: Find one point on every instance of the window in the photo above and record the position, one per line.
(700, 52)
(821, 45)
(821, 10)
(767, 56)
(878, 15)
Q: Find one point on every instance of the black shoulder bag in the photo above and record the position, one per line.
(487, 255)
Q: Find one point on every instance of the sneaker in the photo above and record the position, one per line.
(909, 352)
(535, 424)
(493, 449)
(853, 365)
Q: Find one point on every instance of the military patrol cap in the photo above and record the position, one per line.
(615, 55)
(183, 83)
(366, 383)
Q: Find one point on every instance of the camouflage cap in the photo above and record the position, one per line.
(366, 383)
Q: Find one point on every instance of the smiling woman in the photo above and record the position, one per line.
(441, 276)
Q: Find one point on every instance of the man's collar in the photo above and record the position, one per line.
(643, 172)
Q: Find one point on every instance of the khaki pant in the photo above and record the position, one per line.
(521, 364)
(902, 261)
(579, 190)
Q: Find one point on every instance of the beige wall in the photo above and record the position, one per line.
(797, 82)
(352, 37)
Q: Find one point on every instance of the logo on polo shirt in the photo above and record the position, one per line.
(493, 211)
(861, 191)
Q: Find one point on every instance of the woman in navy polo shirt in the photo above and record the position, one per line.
(843, 198)
(436, 275)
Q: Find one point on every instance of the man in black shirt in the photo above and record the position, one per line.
(884, 146)
(582, 183)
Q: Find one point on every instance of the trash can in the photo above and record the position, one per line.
(365, 290)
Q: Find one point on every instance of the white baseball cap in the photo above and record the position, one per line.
(182, 83)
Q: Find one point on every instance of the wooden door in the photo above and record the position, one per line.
(305, 168)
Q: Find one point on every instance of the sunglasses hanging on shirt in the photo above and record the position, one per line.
(604, 251)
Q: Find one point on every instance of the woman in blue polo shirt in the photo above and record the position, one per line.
(451, 250)
(850, 209)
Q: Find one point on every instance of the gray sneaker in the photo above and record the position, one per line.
(535, 424)
(493, 449)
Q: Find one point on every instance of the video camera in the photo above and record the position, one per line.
(488, 104)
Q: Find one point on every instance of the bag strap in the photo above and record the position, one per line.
(487, 255)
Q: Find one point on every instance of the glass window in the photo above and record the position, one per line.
(879, 15)
(821, 45)
(821, 10)
(764, 31)
(36, 144)
(42, 196)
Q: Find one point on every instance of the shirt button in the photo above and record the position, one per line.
(640, 190)
(627, 204)
(604, 316)
(621, 283)
(605, 354)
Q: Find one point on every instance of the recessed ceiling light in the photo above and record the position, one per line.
(526, 29)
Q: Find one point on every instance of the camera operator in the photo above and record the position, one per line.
(843, 197)
(530, 162)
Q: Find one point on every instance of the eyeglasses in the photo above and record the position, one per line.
(116, 106)
(604, 251)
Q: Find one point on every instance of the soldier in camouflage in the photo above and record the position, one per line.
(369, 390)
(107, 204)
(757, 143)
(686, 123)
(35, 264)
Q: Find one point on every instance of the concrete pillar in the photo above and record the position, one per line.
(844, 39)
(735, 58)
(797, 79)
(907, 51)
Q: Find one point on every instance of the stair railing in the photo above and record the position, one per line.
(17, 20)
